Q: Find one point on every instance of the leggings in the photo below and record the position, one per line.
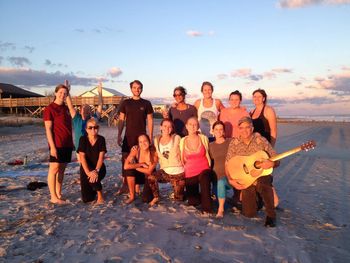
(223, 186)
(192, 190)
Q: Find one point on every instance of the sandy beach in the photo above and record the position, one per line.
(313, 225)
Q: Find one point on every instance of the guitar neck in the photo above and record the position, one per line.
(285, 154)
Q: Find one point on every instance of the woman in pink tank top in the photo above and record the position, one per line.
(196, 160)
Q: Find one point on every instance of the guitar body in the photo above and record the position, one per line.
(242, 169)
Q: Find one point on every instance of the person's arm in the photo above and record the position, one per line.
(150, 125)
(129, 161)
(70, 106)
(197, 103)
(100, 99)
(148, 168)
(272, 119)
(121, 123)
(219, 105)
(49, 136)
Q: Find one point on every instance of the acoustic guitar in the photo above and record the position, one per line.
(245, 170)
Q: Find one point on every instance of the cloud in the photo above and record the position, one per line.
(297, 83)
(4, 46)
(282, 70)
(211, 33)
(240, 73)
(269, 75)
(19, 61)
(114, 72)
(79, 30)
(193, 33)
(338, 83)
(49, 63)
(1, 59)
(222, 76)
(29, 77)
(304, 3)
(29, 48)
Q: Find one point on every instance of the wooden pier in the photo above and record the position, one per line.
(34, 106)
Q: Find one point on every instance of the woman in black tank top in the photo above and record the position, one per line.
(264, 117)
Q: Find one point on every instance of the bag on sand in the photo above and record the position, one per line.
(32, 186)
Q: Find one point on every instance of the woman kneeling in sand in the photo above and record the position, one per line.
(92, 149)
(140, 163)
(171, 168)
(196, 160)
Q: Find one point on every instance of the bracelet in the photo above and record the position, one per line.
(97, 170)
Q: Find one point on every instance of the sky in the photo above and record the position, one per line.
(297, 50)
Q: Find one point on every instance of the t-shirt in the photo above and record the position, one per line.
(61, 124)
(218, 153)
(231, 121)
(92, 152)
(180, 117)
(136, 112)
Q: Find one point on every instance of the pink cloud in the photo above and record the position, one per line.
(114, 72)
(193, 33)
(243, 72)
(304, 3)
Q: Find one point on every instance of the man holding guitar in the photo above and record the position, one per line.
(244, 147)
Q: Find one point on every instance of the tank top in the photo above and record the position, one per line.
(261, 125)
(207, 117)
(196, 162)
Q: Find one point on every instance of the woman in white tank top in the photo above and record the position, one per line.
(208, 109)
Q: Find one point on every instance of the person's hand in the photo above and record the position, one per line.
(67, 84)
(144, 165)
(99, 87)
(134, 149)
(53, 152)
(119, 141)
(93, 176)
(266, 164)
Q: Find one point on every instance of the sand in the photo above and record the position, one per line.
(313, 226)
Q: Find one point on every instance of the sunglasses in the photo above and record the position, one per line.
(92, 127)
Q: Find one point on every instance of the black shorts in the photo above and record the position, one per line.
(64, 155)
(139, 177)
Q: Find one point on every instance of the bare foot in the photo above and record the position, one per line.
(58, 201)
(220, 214)
(100, 201)
(154, 201)
(129, 201)
(122, 191)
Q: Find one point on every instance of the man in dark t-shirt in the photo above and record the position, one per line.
(133, 114)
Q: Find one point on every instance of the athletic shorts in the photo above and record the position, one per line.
(64, 155)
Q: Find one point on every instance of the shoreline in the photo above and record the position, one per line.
(19, 121)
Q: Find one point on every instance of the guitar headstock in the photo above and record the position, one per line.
(308, 145)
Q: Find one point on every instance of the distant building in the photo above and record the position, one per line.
(8, 90)
(106, 92)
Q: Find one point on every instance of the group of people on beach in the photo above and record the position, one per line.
(192, 151)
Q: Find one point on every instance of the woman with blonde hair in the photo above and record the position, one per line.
(92, 149)
(196, 160)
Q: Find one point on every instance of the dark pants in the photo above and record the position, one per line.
(192, 190)
(89, 190)
(176, 180)
(263, 187)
